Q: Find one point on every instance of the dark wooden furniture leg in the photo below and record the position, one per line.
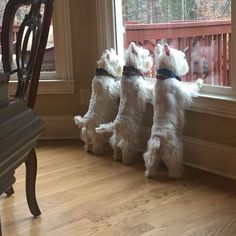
(0, 228)
(18, 140)
(10, 191)
(31, 172)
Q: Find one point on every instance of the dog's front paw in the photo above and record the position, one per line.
(199, 82)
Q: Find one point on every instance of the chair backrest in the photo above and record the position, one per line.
(33, 31)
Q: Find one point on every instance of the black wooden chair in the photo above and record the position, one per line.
(20, 127)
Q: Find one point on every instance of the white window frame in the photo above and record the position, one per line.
(61, 81)
(214, 100)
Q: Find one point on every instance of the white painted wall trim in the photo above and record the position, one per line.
(62, 39)
(201, 154)
(215, 105)
(105, 24)
(211, 157)
(59, 81)
(49, 86)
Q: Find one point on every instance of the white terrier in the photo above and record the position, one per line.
(135, 93)
(171, 97)
(104, 102)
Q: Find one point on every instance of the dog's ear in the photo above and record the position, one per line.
(133, 48)
(158, 50)
(186, 50)
(167, 49)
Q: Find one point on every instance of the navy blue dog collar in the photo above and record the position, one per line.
(100, 71)
(130, 71)
(166, 74)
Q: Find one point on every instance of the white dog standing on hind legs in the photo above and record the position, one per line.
(171, 97)
(135, 93)
(104, 102)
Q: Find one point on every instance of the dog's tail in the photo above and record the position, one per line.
(104, 128)
(79, 121)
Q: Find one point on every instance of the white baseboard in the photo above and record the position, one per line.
(201, 154)
(212, 157)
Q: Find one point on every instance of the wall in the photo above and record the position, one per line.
(85, 55)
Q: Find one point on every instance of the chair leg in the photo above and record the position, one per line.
(10, 191)
(31, 172)
(0, 228)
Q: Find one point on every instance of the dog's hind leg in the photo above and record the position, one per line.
(114, 140)
(117, 153)
(86, 139)
(128, 156)
(175, 169)
(151, 168)
(100, 143)
(173, 160)
(151, 157)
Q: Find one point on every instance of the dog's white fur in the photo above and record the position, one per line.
(135, 93)
(104, 103)
(171, 97)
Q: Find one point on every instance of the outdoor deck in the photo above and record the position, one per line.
(208, 42)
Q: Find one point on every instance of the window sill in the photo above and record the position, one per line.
(52, 86)
(218, 105)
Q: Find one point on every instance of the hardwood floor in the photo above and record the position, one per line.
(83, 194)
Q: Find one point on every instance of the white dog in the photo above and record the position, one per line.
(135, 93)
(104, 102)
(171, 97)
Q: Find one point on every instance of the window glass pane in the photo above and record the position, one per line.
(48, 61)
(204, 27)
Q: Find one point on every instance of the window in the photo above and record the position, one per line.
(56, 72)
(49, 59)
(202, 26)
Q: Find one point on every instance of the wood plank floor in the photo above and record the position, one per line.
(83, 194)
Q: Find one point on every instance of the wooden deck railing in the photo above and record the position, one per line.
(209, 44)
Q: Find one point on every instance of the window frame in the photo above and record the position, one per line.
(213, 100)
(61, 81)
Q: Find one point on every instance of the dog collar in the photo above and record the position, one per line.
(100, 71)
(130, 71)
(163, 74)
